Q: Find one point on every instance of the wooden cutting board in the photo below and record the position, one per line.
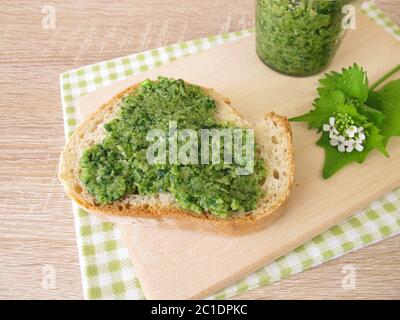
(176, 264)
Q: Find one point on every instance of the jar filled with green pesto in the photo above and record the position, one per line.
(298, 37)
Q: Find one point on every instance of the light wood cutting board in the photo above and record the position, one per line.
(176, 264)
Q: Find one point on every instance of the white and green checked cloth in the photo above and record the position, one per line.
(107, 271)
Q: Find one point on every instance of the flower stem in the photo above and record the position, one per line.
(384, 78)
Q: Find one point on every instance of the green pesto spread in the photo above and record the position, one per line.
(118, 165)
(298, 37)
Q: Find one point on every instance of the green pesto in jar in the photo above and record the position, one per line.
(298, 37)
(118, 166)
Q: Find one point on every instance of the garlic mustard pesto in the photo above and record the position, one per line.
(118, 165)
(298, 37)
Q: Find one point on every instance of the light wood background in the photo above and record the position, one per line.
(36, 223)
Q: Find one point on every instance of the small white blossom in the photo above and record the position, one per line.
(340, 142)
(358, 145)
(361, 134)
(351, 131)
(330, 128)
(350, 145)
(354, 144)
(334, 141)
(333, 133)
(351, 139)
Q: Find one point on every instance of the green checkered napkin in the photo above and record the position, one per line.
(107, 271)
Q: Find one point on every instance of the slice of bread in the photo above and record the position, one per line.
(272, 134)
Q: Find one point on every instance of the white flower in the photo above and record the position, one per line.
(358, 145)
(351, 131)
(361, 135)
(340, 142)
(350, 145)
(330, 128)
(354, 144)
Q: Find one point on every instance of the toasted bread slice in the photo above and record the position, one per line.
(272, 134)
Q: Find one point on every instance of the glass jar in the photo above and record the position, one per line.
(298, 37)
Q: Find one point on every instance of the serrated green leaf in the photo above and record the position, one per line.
(375, 140)
(387, 101)
(353, 82)
(351, 111)
(324, 107)
(372, 114)
(335, 160)
(348, 93)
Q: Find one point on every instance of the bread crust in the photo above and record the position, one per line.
(170, 214)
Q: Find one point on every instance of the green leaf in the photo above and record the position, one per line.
(372, 114)
(337, 89)
(387, 101)
(348, 93)
(335, 160)
(353, 82)
(324, 107)
(351, 111)
(375, 140)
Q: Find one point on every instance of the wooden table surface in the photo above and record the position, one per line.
(36, 223)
